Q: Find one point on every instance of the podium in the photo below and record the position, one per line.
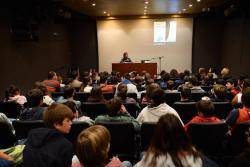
(123, 68)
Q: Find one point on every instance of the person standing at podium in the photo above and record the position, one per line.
(125, 58)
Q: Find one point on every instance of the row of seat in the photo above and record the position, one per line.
(210, 138)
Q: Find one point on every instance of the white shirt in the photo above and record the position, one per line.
(153, 114)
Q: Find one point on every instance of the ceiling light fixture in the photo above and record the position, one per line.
(190, 5)
(145, 7)
(108, 14)
(146, 2)
(104, 12)
(198, 0)
(184, 9)
(93, 4)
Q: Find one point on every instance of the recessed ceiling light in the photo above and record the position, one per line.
(108, 14)
(190, 5)
(145, 7)
(104, 12)
(146, 2)
(184, 9)
(93, 4)
(198, 0)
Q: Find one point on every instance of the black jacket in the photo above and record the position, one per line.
(47, 148)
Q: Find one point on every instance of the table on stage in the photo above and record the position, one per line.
(139, 67)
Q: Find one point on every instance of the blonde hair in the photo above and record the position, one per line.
(93, 146)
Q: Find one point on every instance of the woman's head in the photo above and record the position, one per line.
(170, 138)
(93, 146)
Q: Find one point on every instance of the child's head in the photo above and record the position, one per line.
(93, 146)
(205, 107)
(58, 116)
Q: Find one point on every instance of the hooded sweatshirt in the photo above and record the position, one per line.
(47, 148)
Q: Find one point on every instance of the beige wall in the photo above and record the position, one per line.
(136, 37)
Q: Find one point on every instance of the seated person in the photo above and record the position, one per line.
(157, 107)
(219, 93)
(34, 109)
(47, 100)
(186, 94)
(237, 98)
(76, 83)
(145, 100)
(106, 87)
(78, 118)
(170, 147)
(195, 85)
(5, 160)
(122, 94)
(48, 146)
(14, 94)
(232, 86)
(170, 87)
(88, 86)
(52, 83)
(241, 114)
(96, 95)
(117, 113)
(125, 58)
(205, 110)
(69, 96)
(92, 149)
(4, 119)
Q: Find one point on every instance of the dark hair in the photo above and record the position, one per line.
(122, 91)
(206, 107)
(174, 73)
(113, 106)
(150, 89)
(34, 97)
(56, 113)
(68, 91)
(220, 91)
(246, 83)
(170, 138)
(92, 146)
(185, 92)
(71, 105)
(157, 96)
(41, 86)
(51, 74)
(194, 80)
(170, 85)
(232, 81)
(246, 97)
(96, 95)
(13, 90)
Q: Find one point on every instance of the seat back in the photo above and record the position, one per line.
(122, 139)
(198, 95)
(207, 88)
(186, 110)
(22, 128)
(82, 97)
(94, 109)
(171, 98)
(238, 140)
(10, 109)
(108, 95)
(75, 130)
(208, 137)
(133, 109)
(55, 95)
(7, 138)
(147, 131)
(222, 109)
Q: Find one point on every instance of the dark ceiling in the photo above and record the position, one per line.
(103, 8)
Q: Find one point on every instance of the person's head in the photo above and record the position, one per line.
(92, 146)
(125, 55)
(174, 73)
(122, 90)
(157, 97)
(220, 91)
(72, 106)
(58, 116)
(246, 97)
(185, 93)
(246, 83)
(202, 71)
(170, 138)
(170, 85)
(35, 98)
(194, 80)
(166, 77)
(68, 92)
(75, 74)
(150, 88)
(13, 91)
(96, 93)
(42, 87)
(205, 108)
(186, 72)
(52, 75)
(231, 83)
(225, 72)
(114, 107)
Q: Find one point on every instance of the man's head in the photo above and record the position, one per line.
(205, 107)
(52, 75)
(185, 93)
(58, 116)
(69, 92)
(125, 55)
(220, 91)
(35, 98)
